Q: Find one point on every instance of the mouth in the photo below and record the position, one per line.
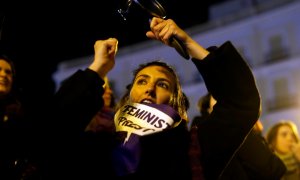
(3, 82)
(147, 101)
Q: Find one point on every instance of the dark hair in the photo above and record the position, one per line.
(272, 133)
(204, 104)
(10, 62)
(178, 100)
(186, 101)
(12, 100)
(12, 66)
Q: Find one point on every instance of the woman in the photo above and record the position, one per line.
(15, 162)
(151, 140)
(283, 139)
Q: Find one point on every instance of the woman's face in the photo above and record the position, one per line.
(153, 84)
(212, 102)
(285, 140)
(6, 77)
(107, 95)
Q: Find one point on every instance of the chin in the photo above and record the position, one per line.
(3, 91)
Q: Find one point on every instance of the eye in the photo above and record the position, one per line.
(141, 82)
(8, 72)
(163, 85)
(284, 134)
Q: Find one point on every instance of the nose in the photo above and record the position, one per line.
(291, 138)
(2, 73)
(108, 90)
(150, 90)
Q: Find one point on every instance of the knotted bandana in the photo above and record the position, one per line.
(133, 121)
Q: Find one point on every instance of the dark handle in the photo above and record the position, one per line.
(155, 9)
(179, 47)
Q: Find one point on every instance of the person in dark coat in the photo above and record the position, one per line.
(152, 140)
(254, 159)
(16, 159)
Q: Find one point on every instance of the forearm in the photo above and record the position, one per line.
(195, 50)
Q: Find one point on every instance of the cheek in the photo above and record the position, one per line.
(10, 84)
(163, 97)
(281, 145)
(134, 93)
(4, 90)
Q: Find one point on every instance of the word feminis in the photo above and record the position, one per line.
(147, 116)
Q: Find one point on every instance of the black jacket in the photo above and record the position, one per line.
(226, 153)
(75, 154)
(16, 158)
(254, 161)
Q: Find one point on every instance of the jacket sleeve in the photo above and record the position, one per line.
(230, 80)
(78, 100)
(257, 158)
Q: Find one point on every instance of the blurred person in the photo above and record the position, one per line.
(16, 160)
(103, 120)
(205, 107)
(283, 139)
(258, 127)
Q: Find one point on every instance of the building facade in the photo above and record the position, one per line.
(265, 32)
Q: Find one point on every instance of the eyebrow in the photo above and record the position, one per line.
(159, 79)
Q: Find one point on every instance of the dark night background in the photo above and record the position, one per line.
(38, 36)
